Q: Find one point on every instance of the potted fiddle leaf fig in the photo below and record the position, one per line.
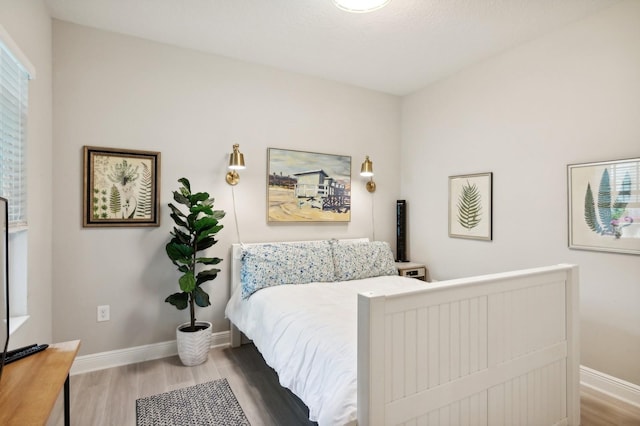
(194, 232)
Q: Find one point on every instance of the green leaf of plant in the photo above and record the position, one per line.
(178, 221)
(208, 260)
(187, 282)
(179, 300)
(180, 253)
(207, 275)
(201, 209)
(198, 197)
(181, 198)
(207, 233)
(176, 210)
(218, 214)
(185, 183)
(201, 297)
(204, 223)
(205, 243)
(181, 237)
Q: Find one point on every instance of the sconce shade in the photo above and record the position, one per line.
(236, 162)
(236, 159)
(367, 168)
(367, 171)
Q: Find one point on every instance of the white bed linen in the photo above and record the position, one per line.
(308, 334)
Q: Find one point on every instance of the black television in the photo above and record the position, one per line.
(4, 277)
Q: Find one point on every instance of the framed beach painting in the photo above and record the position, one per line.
(470, 206)
(308, 186)
(120, 187)
(604, 206)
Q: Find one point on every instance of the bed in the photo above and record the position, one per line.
(498, 349)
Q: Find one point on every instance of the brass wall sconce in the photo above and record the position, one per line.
(236, 162)
(367, 171)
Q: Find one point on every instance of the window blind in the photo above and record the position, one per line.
(14, 91)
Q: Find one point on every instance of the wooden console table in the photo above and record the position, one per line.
(30, 387)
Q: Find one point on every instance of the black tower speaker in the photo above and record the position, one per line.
(401, 230)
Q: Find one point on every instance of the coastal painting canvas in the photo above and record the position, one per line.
(308, 186)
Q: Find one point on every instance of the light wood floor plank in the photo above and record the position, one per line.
(119, 407)
(107, 397)
(151, 378)
(598, 409)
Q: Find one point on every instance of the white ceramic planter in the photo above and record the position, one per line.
(193, 347)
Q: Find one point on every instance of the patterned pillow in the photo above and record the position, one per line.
(356, 260)
(285, 263)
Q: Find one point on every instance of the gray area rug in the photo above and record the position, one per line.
(211, 403)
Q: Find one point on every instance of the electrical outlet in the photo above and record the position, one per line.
(103, 313)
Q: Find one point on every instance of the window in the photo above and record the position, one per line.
(15, 73)
(14, 94)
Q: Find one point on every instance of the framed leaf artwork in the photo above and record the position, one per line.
(121, 187)
(604, 206)
(470, 206)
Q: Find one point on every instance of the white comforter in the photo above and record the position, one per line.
(308, 334)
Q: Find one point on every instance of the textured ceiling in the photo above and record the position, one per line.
(397, 49)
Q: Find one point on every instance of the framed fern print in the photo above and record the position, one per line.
(121, 187)
(604, 206)
(470, 206)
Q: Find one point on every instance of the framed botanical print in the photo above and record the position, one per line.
(120, 187)
(604, 206)
(470, 206)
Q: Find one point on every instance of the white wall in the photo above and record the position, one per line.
(29, 25)
(570, 97)
(117, 91)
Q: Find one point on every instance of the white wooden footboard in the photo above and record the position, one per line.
(493, 350)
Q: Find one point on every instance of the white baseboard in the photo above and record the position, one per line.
(609, 385)
(102, 360)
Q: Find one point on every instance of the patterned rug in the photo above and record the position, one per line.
(211, 403)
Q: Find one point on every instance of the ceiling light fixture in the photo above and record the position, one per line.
(360, 6)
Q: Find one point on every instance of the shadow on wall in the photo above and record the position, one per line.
(599, 353)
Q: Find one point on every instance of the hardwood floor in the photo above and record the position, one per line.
(597, 409)
(107, 397)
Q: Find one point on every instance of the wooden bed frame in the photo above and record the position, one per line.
(498, 349)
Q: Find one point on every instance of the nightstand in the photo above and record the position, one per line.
(413, 270)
